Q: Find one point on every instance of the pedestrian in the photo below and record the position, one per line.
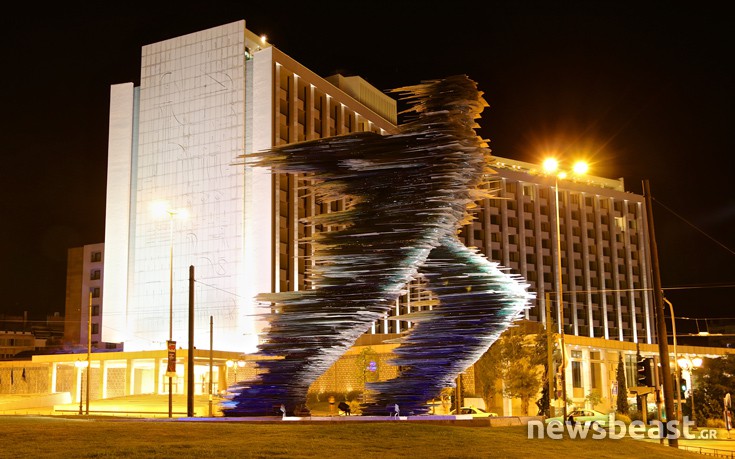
(283, 410)
(397, 410)
(728, 413)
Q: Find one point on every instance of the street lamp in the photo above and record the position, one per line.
(234, 365)
(677, 372)
(551, 166)
(161, 208)
(689, 365)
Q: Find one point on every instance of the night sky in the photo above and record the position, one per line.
(641, 92)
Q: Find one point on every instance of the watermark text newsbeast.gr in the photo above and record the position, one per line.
(617, 429)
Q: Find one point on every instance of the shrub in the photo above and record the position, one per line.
(622, 417)
(355, 408)
(716, 423)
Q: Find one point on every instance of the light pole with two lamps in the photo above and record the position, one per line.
(234, 365)
(689, 365)
(551, 166)
(677, 371)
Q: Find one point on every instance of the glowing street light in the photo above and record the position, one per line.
(677, 371)
(551, 166)
(689, 365)
(234, 365)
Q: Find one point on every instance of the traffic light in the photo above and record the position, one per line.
(683, 389)
(645, 372)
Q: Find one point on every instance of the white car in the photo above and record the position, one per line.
(475, 412)
(583, 416)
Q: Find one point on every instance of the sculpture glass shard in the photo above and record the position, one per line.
(408, 194)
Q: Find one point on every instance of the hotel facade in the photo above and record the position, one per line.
(205, 99)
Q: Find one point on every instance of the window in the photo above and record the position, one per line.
(95, 274)
(95, 309)
(95, 329)
(96, 256)
(96, 292)
(595, 375)
(577, 374)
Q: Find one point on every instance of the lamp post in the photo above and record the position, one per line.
(89, 347)
(689, 365)
(172, 214)
(161, 208)
(551, 166)
(677, 372)
(234, 365)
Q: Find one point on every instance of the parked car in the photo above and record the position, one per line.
(475, 412)
(583, 416)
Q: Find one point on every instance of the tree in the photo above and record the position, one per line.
(515, 359)
(593, 398)
(366, 368)
(714, 379)
(622, 407)
(487, 373)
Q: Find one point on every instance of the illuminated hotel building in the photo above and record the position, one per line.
(606, 267)
(604, 251)
(207, 97)
(203, 100)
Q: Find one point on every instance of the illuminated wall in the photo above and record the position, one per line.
(204, 99)
(191, 126)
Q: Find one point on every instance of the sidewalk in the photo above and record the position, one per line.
(132, 406)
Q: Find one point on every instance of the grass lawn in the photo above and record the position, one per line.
(61, 437)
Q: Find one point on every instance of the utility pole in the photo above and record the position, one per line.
(89, 350)
(658, 293)
(190, 356)
(550, 373)
(211, 346)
